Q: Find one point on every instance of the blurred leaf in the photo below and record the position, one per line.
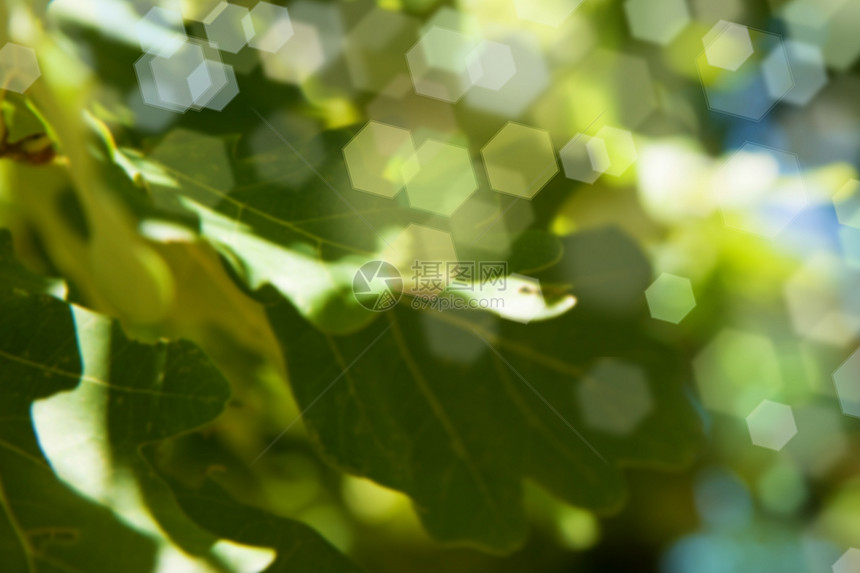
(46, 525)
(298, 550)
(91, 414)
(456, 409)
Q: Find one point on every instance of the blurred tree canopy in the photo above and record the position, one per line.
(413, 285)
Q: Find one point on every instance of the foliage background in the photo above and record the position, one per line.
(176, 290)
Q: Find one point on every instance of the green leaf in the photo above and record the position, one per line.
(305, 240)
(72, 428)
(455, 409)
(46, 525)
(298, 552)
(458, 408)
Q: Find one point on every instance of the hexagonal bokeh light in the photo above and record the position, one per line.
(399, 104)
(736, 371)
(614, 397)
(520, 160)
(193, 77)
(657, 21)
(819, 423)
(452, 18)
(573, 102)
(374, 48)
(412, 247)
(847, 382)
(584, 158)
(500, 220)
(491, 65)
(375, 158)
(849, 241)
(830, 25)
(302, 55)
(820, 302)
(760, 190)
(547, 12)
(267, 27)
(782, 488)
(771, 425)
(744, 72)
(439, 177)
(847, 203)
(620, 149)
(848, 562)
(224, 27)
(529, 81)
(19, 68)
(670, 298)
(439, 63)
(807, 69)
(728, 46)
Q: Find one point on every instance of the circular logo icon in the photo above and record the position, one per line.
(377, 286)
